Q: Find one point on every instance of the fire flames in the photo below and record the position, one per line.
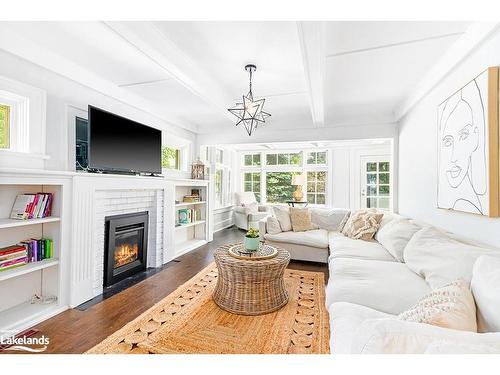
(125, 254)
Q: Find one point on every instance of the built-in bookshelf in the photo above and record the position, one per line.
(193, 233)
(44, 277)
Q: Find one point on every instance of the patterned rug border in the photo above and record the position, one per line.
(117, 337)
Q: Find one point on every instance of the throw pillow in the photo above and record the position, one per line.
(283, 217)
(395, 235)
(252, 207)
(273, 225)
(301, 219)
(362, 224)
(451, 306)
(331, 219)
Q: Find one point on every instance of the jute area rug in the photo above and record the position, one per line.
(188, 321)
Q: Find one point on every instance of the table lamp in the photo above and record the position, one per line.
(298, 180)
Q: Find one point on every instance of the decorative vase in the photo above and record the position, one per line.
(251, 244)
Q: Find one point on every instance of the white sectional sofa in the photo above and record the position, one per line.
(371, 282)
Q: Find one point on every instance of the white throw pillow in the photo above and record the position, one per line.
(283, 217)
(253, 207)
(273, 225)
(485, 286)
(451, 306)
(330, 219)
(441, 259)
(394, 236)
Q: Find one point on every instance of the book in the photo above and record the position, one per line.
(20, 208)
(183, 216)
(32, 206)
(13, 264)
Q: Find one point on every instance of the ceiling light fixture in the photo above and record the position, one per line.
(250, 112)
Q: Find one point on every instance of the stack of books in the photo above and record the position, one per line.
(32, 206)
(28, 251)
(188, 215)
(191, 198)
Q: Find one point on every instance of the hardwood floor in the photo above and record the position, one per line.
(75, 331)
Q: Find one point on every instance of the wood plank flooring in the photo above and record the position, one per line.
(75, 331)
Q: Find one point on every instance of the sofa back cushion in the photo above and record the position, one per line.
(440, 259)
(283, 217)
(395, 235)
(485, 286)
(273, 225)
(331, 219)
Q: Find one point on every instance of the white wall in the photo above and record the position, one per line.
(63, 92)
(418, 153)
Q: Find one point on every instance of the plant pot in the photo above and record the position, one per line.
(251, 244)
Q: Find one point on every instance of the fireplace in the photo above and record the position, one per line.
(126, 246)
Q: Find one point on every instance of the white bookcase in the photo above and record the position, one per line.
(187, 237)
(19, 285)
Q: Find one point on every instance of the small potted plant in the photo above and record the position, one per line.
(252, 239)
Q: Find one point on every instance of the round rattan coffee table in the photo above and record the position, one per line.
(250, 286)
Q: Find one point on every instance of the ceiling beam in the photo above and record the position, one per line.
(461, 49)
(312, 44)
(154, 44)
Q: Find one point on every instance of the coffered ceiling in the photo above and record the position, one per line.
(312, 74)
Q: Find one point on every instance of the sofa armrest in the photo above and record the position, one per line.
(242, 210)
(263, 208)
(381, 336)
(262, 228)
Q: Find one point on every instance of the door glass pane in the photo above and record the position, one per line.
(383, 178)
(371, 178)
(383, 203)
(383, 190)
(371, 202)
(383, 166)
(371, 167)
(271, 159)
(371, 190)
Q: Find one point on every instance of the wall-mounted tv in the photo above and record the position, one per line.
(117, 144)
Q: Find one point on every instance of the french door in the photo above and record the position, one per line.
(376, 182)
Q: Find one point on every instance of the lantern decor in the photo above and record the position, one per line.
(198, 170)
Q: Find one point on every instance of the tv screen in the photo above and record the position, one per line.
(120, 144)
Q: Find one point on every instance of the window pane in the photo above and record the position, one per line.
(320, 199)
(279, 187)
(311, 176)
(4, 126)
(321, 176)
(320, 187)
(283, 159)
(371, 178)
(256, 177)
(371, 167)
(321, 157)
(248, 159)
(311, 158)
(256, 187)
(256, 159)
(271, 159)
(383, 178)
(248, 186)
(372, 190)
(218, 156)
(296, 159)
(170, 158)
(257, 197)
(383, 203)
(383, 166)
(383, 190)
(311, 187)
(371, 202)
(248, 177)
(311, 198)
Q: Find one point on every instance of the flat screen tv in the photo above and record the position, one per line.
(117, 144)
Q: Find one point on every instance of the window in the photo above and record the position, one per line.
(251, 182)
(218, 186)
(284, 159)
(251, 160)
(170, 158)
(219, 156)
(279, 188)
(4, 126)
(316, 157)
(378, 185)
(316, 187)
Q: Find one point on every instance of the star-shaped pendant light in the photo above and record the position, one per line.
(250, 112)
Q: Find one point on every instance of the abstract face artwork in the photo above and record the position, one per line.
(466, 121)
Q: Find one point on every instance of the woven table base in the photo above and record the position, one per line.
(188, 321)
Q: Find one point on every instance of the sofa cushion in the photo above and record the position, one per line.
(273, 225)
(389, 287)
(314, 238)
(283, 217)
(451, 306)
(395, 235)
(485, 286)
(345, 247)
(362, 224)
(345, 318)
(441, 259)
(331, 219)
(301, 219)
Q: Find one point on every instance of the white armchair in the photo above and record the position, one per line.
(248, 212)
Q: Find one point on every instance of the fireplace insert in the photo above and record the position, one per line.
(126, 246)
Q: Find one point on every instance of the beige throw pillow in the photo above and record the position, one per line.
(301, 219)
(451, 306)
(362, 224)
(283, 217)
(273, 225)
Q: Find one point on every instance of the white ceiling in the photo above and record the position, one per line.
(189, 73)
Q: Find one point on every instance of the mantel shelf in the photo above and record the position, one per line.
(11, 223)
